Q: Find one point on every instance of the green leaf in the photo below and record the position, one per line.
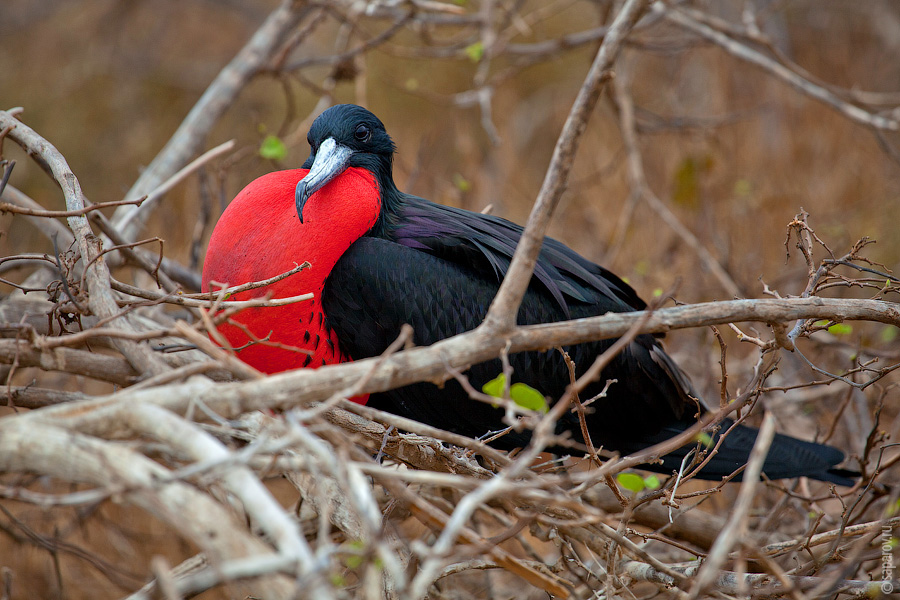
(353, 561)
(892, 509)
(821, 323)
(522, 394)
(652, 482)
(475, 51)
(705, 439)
(889, 334)
(272, 148)
(495, 386)
(840, 329)
(527, 397)
(461, 183)
(657, 292)
(630, 481)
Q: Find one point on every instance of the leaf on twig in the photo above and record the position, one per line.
(272, 148)
(522, 394)
(475, 51)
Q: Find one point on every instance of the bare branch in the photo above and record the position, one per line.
(502, 313)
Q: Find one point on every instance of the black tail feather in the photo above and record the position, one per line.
(788, 457)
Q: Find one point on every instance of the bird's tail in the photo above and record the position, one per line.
(788, 457)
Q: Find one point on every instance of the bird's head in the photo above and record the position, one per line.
(345, 136)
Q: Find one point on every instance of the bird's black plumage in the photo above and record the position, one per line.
(438, 268)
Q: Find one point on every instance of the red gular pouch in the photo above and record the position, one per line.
(260, 236)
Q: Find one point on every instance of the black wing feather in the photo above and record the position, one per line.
(486, 241)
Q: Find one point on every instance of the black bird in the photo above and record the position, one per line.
(382, 258)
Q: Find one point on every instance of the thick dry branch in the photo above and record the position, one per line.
(828, 536)
(35, 397)
(78, 362)
(430, 364)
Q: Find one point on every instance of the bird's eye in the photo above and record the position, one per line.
(362, 133)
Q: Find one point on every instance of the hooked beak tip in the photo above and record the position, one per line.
(300, 198)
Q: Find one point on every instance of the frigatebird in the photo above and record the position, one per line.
(382, 258)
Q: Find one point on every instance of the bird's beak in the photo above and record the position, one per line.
(331, 160)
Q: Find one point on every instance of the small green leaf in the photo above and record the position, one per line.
(840, 329)
(705, 439)
(353, 561)
(475, 51)
(821, 323)
(889, 334)
(630, 481)
(461, 183)
(495, 386)
(527, 397)
(892, 509)
(657, 292)
(522, 394)
(272, 148)
(652, 482)
(812, 515)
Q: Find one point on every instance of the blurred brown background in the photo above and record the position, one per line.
(731, 150)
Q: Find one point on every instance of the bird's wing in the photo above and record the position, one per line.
(487, 243)
(378, 285)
